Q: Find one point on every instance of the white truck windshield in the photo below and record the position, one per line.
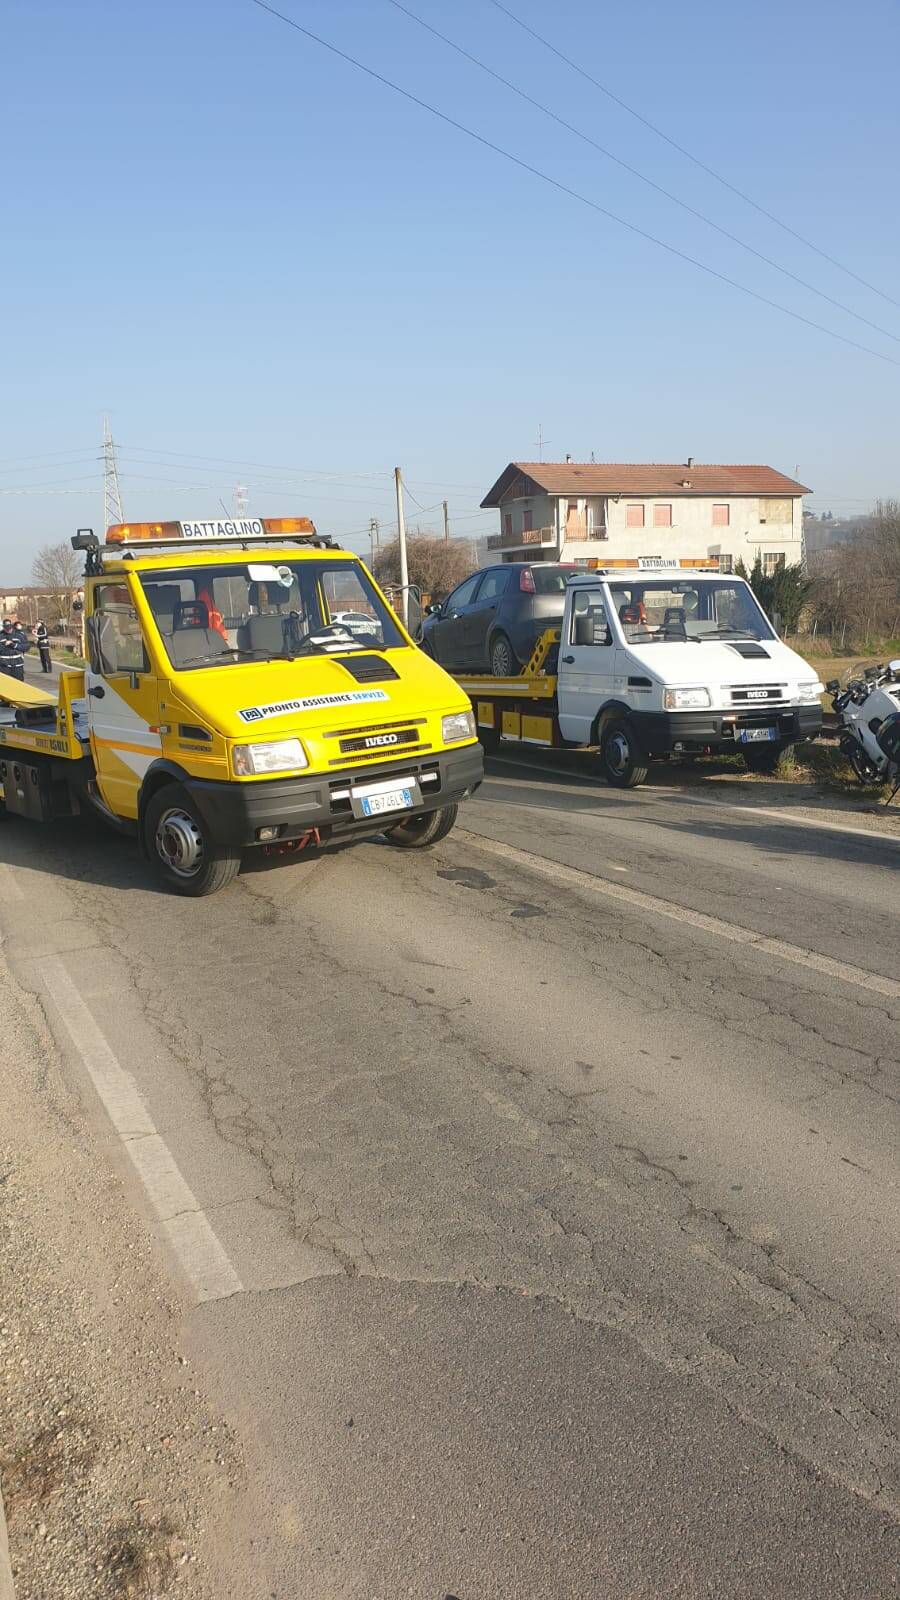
(666, 609)
(266, 610)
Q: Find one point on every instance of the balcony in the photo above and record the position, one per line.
(527, 539)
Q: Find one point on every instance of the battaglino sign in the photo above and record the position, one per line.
(224, 528)
(210, 530)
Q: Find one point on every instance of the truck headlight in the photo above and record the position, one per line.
(810, 691)
(279, 756)
(459, 725)
(686, 699)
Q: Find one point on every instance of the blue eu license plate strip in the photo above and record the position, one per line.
(756, 735)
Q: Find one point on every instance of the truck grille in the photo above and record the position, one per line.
(757, 694)
(378, 741)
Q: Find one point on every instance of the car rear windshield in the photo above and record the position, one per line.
(266, 610)
(550, 580)
(673, 609)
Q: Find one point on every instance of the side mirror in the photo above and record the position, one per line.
(832, 686)
(433, 610)
(90, 629)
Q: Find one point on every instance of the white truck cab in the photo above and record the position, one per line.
(653, 662)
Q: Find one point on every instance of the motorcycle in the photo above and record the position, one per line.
(869, 713)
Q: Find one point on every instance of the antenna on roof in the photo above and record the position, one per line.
(540, 442)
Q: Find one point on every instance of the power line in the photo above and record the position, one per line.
(574, 194)
(710, 171)
(266, 466)
(642, 176)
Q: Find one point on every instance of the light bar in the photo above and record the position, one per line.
(212, 530)
(653, 564)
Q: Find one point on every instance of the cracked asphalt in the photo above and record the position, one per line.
(567, 1231)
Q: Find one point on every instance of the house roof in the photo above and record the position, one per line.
(639, 478)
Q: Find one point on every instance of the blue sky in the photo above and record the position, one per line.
(243, 249)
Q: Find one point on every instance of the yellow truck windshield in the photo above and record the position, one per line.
(266, 610)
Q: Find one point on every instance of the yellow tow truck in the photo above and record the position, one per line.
(247, 686)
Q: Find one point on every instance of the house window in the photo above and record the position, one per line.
(527, 520)
(771, 561)
(775, 510)
(507, 524)
(634, 516)
(662, 516)
(721, 516)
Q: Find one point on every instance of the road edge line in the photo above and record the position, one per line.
(190, 1235)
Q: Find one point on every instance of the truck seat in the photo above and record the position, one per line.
(264, 633)
(187, 645)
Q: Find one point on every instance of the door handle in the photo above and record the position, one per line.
(98, 692)
(568, 660)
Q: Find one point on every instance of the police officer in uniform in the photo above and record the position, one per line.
(12, 651)
(42, 640)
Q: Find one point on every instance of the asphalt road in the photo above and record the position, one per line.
(539, 1237)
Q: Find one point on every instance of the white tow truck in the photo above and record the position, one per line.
(652, 660)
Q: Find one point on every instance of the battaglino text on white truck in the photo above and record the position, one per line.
(247, 686)
(654, 659)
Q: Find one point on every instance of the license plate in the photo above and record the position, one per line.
(394, 794)
(756, 735)
(395, 800)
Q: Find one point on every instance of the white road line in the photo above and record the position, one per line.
(187, 1227)
(575, 784)
(636, 899)
(10, 888)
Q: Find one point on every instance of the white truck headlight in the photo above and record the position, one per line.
(810, 691)
(459, 725)
(686, 699)
(281, 755)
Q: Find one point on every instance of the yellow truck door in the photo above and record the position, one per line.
(122, 697)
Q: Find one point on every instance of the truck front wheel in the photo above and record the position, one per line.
(621, 758)
(417, 832)
(178, 845)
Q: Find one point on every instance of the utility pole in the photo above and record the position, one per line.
(374, 539)
(241, 500)
(446, 521)
(401, 540)
(112, 498)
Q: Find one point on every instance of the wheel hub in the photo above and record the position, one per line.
(179, 843)
(618, 753)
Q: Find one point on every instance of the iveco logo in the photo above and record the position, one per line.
(757, 694)
(379, 739)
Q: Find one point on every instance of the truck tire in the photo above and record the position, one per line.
(179, 848)
(622, 760)
(504, 663)
(428, 829)
(762, 758)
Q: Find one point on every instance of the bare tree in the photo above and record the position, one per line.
(857, 584)
(435, 565)
(57, 568)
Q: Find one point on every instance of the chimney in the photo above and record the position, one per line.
(689, 462)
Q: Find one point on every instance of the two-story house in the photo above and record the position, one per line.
(574, 510)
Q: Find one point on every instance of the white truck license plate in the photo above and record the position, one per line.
(755, 735)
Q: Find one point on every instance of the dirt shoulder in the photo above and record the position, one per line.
(115, 1473)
